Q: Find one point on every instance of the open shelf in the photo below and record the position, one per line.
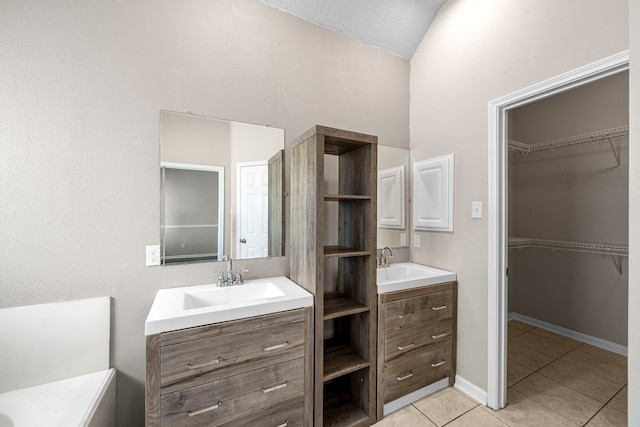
(341, 251)
(341, 410)
(340, 359)
(345, 400)
(337, 304)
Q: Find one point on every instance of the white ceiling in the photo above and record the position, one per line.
(396, 26)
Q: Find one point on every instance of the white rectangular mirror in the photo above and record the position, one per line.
(393, 199)
(222, 189)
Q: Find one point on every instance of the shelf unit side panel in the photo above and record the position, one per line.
(306, 216)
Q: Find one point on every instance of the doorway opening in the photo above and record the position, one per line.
(499, 110)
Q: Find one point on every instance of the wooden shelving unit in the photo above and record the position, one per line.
(344, 371)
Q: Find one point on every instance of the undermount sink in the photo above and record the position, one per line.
(190, 306)
(407, 275)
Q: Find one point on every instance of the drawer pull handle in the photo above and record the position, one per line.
(440, 363)
(400, 316)
(275, 347)
(203, 410)
(204, 365)
(285, 424)
(406, 377)
(274, 388)
(440, 307)
(406, 347)
(435, 337)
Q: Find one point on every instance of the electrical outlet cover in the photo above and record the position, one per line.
(153, 255)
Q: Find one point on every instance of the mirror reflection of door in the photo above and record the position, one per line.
(193, 212)
(253, 193)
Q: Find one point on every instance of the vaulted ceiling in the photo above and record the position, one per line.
(396, 26)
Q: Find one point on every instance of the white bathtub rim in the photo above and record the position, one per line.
(47, 397)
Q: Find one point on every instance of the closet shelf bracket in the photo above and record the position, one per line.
(617, 261)
(616, 154)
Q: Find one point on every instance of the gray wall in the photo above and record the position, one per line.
(474, 52)
(82, 85)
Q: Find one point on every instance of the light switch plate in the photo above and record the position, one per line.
(476, 209)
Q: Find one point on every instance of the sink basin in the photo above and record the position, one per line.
(407, 275)
(191, 306)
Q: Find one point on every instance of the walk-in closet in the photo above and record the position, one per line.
(568, 218)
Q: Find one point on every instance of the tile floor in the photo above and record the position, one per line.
(552, 381)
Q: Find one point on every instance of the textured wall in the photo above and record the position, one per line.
(476, 51)
(82, 85)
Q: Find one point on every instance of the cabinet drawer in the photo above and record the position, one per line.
(411, 339)
(412, 312)
(415, 370)
(286, 414)
(234, 397)
(195, 362)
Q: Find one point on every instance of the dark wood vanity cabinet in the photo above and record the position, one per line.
(416, 340)
(239, 373)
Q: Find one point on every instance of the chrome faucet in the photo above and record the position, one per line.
(228, 278)
(384, 259)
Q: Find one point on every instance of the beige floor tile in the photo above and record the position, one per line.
(559, 398)
(516, 372)
(477, 417)
(602, 363)
(608, 417)
(445, 405)
(407, 416)
(522, 411)
(526, 356)
(558, 338)
(582, 380)
(542, 343)
(609, 356)
(516, 324)
(619, 401)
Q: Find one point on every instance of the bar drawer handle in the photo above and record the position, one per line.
(440, 307)
(440, 363)
(406, 347)
(204, 365)
(285, 424)
(275, 347)
(435, 337)
(274, 388)
(203, 410)
(406, 377)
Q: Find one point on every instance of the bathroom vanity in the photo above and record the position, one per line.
(416, 334)
(240, 372)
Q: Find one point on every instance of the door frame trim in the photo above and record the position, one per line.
(497, 207)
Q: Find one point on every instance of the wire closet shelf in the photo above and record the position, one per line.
(610, 136)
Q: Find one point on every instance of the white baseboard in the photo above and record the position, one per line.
(578, 336)
(471, 390)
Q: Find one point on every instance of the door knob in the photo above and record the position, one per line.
(243, 240)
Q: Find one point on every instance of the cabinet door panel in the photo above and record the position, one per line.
(415, 370)
(198, 361)
(412, 312)
(226, 399)
(409, 340)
